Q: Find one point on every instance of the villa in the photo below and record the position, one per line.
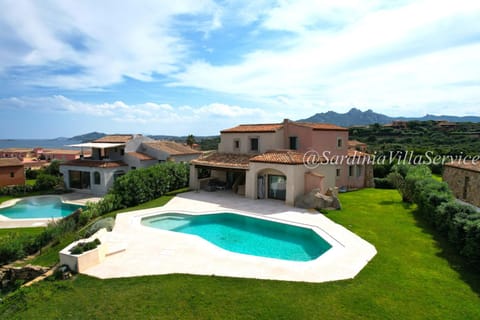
(11, 172)
(114, 155)
(282, 161)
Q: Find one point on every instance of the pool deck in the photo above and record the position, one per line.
(140, 250)
(74, 198)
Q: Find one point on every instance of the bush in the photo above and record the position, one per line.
(82, 247)
(19, 190)
(383, 183)
(106, 223)
(459, 222)
(47, 182)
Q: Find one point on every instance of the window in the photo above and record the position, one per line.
(350, 171)
(96, 177)
(338, 172)
(122, 152)
(12, 174)
(293, 142)
(359, 171)
(339, 142)
(253, 144)
(236, 144)
(133, 168)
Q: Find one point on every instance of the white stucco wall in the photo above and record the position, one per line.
(106, 178)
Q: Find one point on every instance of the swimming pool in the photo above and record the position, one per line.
(246, 234)
(43, 207)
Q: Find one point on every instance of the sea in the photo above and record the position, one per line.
(33, 143)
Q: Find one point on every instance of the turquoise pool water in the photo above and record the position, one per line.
(247, 235)
(38, 208)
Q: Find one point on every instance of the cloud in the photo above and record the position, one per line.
(375, 54)
(105, 41)
(207, 118)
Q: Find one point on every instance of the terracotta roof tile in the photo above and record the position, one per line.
(224, 160)
(140, 156)
(172, 147)
(466, 165)
(354, 143)
(284, 157)
(95, 163)
(115, 138)
(253, 128)
(356, 153)
(10, 162)
(321, 126)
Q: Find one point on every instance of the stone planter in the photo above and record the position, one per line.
(81, 262)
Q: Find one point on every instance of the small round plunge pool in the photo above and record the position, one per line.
(246, 234)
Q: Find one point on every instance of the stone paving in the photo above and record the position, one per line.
(140, 250)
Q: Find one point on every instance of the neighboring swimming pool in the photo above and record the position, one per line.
(43, 207)
(245, 234)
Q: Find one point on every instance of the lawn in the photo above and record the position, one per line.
(411, 277)
(20, 231)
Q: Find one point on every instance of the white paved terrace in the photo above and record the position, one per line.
(143, 250)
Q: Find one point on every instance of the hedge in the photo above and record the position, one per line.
(459, 223)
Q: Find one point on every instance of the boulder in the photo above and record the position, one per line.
(316, 200)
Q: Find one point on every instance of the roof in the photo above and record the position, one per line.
(140, 156)
(115, 138)
(224, 160)
(254, 128)
(356, 153)
(354, 143)
(172, 147)
(95, 163)
(285, 157)
(321, 126)
(99, 145)
(10, 162)
(466, 165)
(61, 151)
(16, 150)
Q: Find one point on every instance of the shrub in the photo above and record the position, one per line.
(106, 223)
(383, 183)
(82, 247)
(47, 182)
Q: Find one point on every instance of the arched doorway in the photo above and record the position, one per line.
(271, 184)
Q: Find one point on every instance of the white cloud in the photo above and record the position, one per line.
(210, 118)
(375, 56)
(105, 41)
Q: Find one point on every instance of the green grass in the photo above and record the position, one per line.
(415, 275)
(23, 231)
(5, 198)
(30, 182)
(437, 177)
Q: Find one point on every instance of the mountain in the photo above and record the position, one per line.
(356, 117)
(88, 136)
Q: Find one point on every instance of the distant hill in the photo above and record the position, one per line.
(356, 117)
(88, 136)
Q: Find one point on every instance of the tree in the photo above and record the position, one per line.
(191, 140)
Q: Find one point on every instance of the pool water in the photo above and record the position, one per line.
(39, 208)
(247, 235)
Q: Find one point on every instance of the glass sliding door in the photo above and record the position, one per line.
(277, 187)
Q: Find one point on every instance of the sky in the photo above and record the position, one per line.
(182, 67)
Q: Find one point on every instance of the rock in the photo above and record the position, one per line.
(9, 274)
(316, 200)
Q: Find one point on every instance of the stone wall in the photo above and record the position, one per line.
(9, 274)
(465, 184)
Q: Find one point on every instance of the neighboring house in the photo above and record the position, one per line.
(463, 178)
(114, 155)
(27, 154)
(357, 145)
(282, 161)
(11, 172)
